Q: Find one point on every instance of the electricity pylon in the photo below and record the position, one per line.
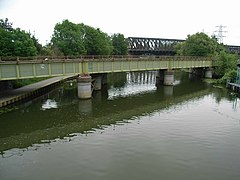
(220, 32)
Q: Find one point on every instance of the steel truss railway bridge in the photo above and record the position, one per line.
(158, 46)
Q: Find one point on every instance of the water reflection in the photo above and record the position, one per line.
(136, 82)
(49, 104)
(168, 91)
(186, 131)
(85, 106)
(65, 114)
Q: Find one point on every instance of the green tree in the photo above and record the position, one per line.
(201, 44)
(15, 42)
(6, 44)
(120, 44)
(36, 43)
(6, 25)
(96, 41)
(227, 67)
(80, 39)
(198, 44)
(68, 38)
(23, 45)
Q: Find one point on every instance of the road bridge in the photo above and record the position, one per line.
(160, 46)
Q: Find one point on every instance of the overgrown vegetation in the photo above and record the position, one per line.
(200, 44)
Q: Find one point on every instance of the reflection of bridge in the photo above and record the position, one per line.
(157, 46)
(49, 125)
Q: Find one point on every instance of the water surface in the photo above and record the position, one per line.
(130, 130)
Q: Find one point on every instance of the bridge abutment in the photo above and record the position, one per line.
(84, 86)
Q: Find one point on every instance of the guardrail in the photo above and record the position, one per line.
(98, 57)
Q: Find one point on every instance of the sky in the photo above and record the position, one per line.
(171, 19)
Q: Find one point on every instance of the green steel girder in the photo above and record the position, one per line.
(29, 69)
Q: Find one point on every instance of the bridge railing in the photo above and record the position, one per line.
(41, 59)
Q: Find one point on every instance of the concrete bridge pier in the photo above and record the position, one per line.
(168, 77)
(190, 73)
(104, 78)
(84, 86)
(208, 73)
(165, 77)
(97, 84)
(198, 72)
(159, 77)
(99, 80)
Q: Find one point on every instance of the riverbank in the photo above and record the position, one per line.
(234, 87)
(30, 91)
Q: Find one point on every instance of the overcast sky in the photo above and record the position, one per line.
(173, 19)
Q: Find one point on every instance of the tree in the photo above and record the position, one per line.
(15, 42)
(80, 39)
(198, 44)
(38, 46)
(96, 41)
(22, 44)
(6, 25)
(120, 44)
(227, 67)
(6, 44)
(68, 38)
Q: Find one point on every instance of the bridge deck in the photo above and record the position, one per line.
(60, 67)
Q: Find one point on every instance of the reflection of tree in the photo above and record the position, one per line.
(117, 79)
(221, 93)
(235, 103)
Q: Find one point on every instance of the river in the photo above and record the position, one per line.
(129, 130)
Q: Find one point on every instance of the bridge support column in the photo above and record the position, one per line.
(208, 73)
(198, 72)
(84, 87)
(97, 83)
(168, 77)
(104, 79)
(159, 77)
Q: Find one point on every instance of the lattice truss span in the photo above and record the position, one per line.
(152, 45)
(158, 46)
